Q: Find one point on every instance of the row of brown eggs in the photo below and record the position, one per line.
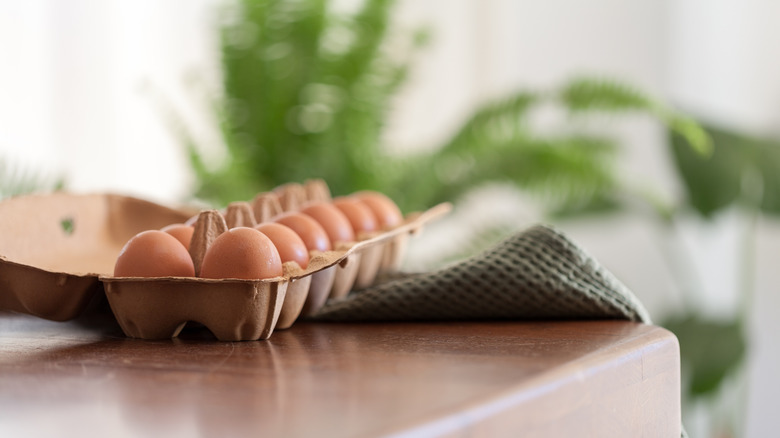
(258, 252)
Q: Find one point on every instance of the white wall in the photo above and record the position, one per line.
(81, 82)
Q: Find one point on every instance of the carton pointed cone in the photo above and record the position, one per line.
(292, 196)
(265, 206)
(240, 214)
(208, 227)
(316, 190)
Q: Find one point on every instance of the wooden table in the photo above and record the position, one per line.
(562, 379)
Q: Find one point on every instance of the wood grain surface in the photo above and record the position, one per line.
(536, 379)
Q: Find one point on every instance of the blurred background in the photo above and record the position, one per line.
(585, 115)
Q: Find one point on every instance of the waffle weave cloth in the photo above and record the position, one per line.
(538, 273)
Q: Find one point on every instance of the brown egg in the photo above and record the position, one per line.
(182, 233)
(332, 220)
(388, 214)
(154, 253)
(359, 215)
(310, 231)
(243, 253)
(287, 242)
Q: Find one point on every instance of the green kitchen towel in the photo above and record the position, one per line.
(536, 274)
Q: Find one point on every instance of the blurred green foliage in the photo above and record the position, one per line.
(18, 180)
(743, 170)
(711, 350)
(307, 90)
(742, 173)
(306, 93)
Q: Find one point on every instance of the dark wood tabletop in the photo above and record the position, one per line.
(583, 378)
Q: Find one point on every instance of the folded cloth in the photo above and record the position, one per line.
(538, 273)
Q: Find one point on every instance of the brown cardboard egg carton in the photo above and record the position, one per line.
(236, 309)
(57, 252)
(53, 247)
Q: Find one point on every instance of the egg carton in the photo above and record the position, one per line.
(234, 309)
(57, 252)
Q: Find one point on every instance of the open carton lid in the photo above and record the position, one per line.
(53, 247)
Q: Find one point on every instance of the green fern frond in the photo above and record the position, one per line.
(560, 171)
(499, 120)
(588, 94)
(497, 144)
(369, 28)
(692, 132)
(18, 180)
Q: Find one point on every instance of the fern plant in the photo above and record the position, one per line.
(573, 171)
(307, 90)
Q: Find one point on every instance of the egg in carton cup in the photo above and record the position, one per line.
(249, 309)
